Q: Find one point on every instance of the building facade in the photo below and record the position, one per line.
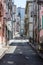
(14, 19)
(3, 38)
(38, 27)
(18, 24)
(10, 18)
(21, 14)
(29, 19)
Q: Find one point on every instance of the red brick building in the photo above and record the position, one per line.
(2, 23)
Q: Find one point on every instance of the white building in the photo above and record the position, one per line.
(21, 14)
(29, 18)
(14, 20)
(18, 24)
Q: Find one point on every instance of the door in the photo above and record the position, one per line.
(42, 22)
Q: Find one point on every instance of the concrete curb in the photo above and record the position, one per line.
(39, 53)
(2, 52)
(32, 46)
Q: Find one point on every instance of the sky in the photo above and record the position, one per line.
(20, 3)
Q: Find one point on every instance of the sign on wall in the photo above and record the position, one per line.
(9, 25)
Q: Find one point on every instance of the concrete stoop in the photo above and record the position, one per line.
(2, 52)
(34, 47)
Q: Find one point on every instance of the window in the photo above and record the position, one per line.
(0, 28)
(30, 27)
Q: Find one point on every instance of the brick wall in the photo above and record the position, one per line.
(2, 22)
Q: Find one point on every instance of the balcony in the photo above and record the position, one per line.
(33, 13)
(9, 5)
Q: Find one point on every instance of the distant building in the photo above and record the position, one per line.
(18, 24)
(21, 11)
(21, 14)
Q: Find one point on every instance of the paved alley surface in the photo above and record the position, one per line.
(21, 54)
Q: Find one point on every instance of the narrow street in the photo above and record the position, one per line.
(21, 32)
(21, 53)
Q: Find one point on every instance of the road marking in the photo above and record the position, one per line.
(10, 62)
(27, 57)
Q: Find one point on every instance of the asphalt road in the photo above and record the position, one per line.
(21, 54)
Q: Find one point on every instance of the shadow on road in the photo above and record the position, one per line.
(21, 53)
(18, 44)
(14, 59)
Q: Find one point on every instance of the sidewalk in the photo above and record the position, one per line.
(3, 52)
(16, 34)
(36, 49)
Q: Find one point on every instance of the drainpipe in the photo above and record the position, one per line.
(38, 21)
(33, 23)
